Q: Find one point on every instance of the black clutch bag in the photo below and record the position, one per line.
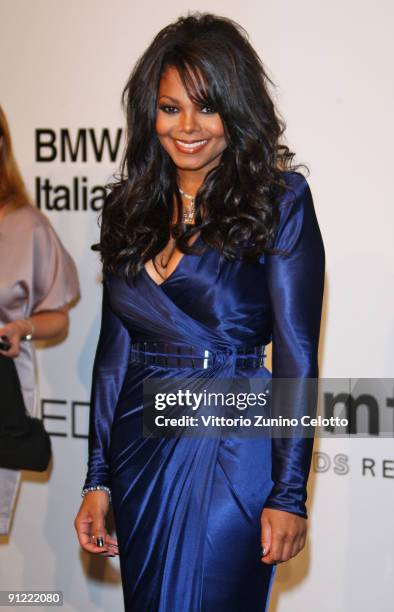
(24, 442)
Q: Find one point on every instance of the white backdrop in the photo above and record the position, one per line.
(63, 66)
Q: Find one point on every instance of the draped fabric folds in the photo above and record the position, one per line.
(187, 510)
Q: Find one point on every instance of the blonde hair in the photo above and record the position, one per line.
(12, 186)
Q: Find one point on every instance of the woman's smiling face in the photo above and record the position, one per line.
(193, 135)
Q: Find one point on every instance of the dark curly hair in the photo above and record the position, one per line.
(219, 68)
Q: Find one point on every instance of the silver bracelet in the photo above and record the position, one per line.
(29, 336)
(96, 488)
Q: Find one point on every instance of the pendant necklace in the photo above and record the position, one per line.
(188, 216)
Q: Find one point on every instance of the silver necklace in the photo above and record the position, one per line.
(188, 215)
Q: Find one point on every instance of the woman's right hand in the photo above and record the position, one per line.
(90, 523)
(14, 331)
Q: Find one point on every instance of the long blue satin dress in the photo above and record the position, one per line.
(187, 510)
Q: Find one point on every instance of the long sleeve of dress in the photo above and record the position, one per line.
(109, 369)
(296, 284)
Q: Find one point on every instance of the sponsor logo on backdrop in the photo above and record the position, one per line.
(89, 146)
(340, 464)
(368, 399)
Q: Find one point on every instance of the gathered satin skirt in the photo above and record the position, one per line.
(188, 511)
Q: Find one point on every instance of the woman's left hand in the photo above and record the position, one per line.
(283, 534)
(14, 331)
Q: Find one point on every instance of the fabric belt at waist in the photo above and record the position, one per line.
(167, 354)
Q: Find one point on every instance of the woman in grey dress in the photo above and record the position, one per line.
(38, 280)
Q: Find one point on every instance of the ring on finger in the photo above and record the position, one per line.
(100, 541)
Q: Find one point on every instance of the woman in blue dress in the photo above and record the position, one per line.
(211, 250)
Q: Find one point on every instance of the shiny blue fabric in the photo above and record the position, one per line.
(187, 510)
